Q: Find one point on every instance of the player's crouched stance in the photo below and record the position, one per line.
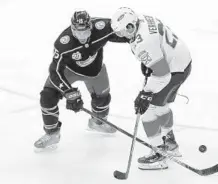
(78, 56)
(166, 61)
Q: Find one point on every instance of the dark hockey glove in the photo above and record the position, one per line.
(146, 71)
(74, 100)
(143, 101)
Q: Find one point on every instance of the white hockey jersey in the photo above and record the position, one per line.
(158, 48)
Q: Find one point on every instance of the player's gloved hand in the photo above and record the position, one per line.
(74, 100)
(143, 101)
(146, 71)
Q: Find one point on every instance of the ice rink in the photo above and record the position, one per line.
(28, 30)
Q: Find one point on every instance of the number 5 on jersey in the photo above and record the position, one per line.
(56, 54)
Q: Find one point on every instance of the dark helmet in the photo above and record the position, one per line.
(80, 20)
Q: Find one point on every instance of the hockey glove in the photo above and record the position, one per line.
(143, 101)
(74, 100)
(146, 71)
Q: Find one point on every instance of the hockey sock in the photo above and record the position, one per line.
(153, 131)
(166, 122)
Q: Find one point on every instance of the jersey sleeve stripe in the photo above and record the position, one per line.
(59, 75)
(55, 85)
(58, 65)
(102, 38)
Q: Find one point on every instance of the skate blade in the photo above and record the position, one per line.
(153, 168)
(91, 130)
(175, 153)
(50, 148)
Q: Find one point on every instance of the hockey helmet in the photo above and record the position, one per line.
(124, 22)
(81, 25)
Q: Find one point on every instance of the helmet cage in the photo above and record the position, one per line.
(81, 26)
(128, 31)
(124, 22)
(81, 21)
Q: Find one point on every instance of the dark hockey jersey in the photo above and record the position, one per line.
(83, 59)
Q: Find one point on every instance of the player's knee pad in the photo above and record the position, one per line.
(162, 110)
(100, 104)
(50, 112)
(49, 97)
(150, 114)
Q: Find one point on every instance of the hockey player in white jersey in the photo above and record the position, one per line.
(167, 61)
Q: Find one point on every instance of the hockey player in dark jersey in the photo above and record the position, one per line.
(78, 55)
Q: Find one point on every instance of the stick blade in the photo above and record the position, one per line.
(120, 175)
(209, 171)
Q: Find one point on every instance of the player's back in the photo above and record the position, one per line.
(175, 50)
(160, 42)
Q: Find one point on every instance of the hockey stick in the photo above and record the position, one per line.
(201, 172)
(120, 175)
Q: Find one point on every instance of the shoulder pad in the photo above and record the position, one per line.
(100, 23)
(63, 39)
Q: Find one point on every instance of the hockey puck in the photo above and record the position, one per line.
(202, 148)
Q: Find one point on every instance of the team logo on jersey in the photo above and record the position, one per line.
(100, 25)
(144, 57)
(65, 39)
(121, 17)
(87, 61)
(76, 56)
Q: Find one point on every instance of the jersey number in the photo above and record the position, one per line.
(138, 38)
(161, 32)
(56, 54)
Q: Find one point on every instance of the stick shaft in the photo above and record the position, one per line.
(133, 144)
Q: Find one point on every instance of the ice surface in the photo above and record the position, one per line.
(28, 30)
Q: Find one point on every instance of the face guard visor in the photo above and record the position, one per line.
(81, 26)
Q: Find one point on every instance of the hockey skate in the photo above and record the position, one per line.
(49, 141)
(96, 125)
(154, 161)
(171, 145)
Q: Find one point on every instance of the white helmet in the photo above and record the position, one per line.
(124, 22)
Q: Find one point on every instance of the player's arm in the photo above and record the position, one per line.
(58, 79)
(159, 78)
(113, 37)
(56, 72)
(157, 75)
(155, 61)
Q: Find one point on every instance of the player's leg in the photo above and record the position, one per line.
(178, 79)
(158, 117)
(167, 132)
(165, 114)
(99, 89)
(152, 126)
(153, 120)
(49, 98)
